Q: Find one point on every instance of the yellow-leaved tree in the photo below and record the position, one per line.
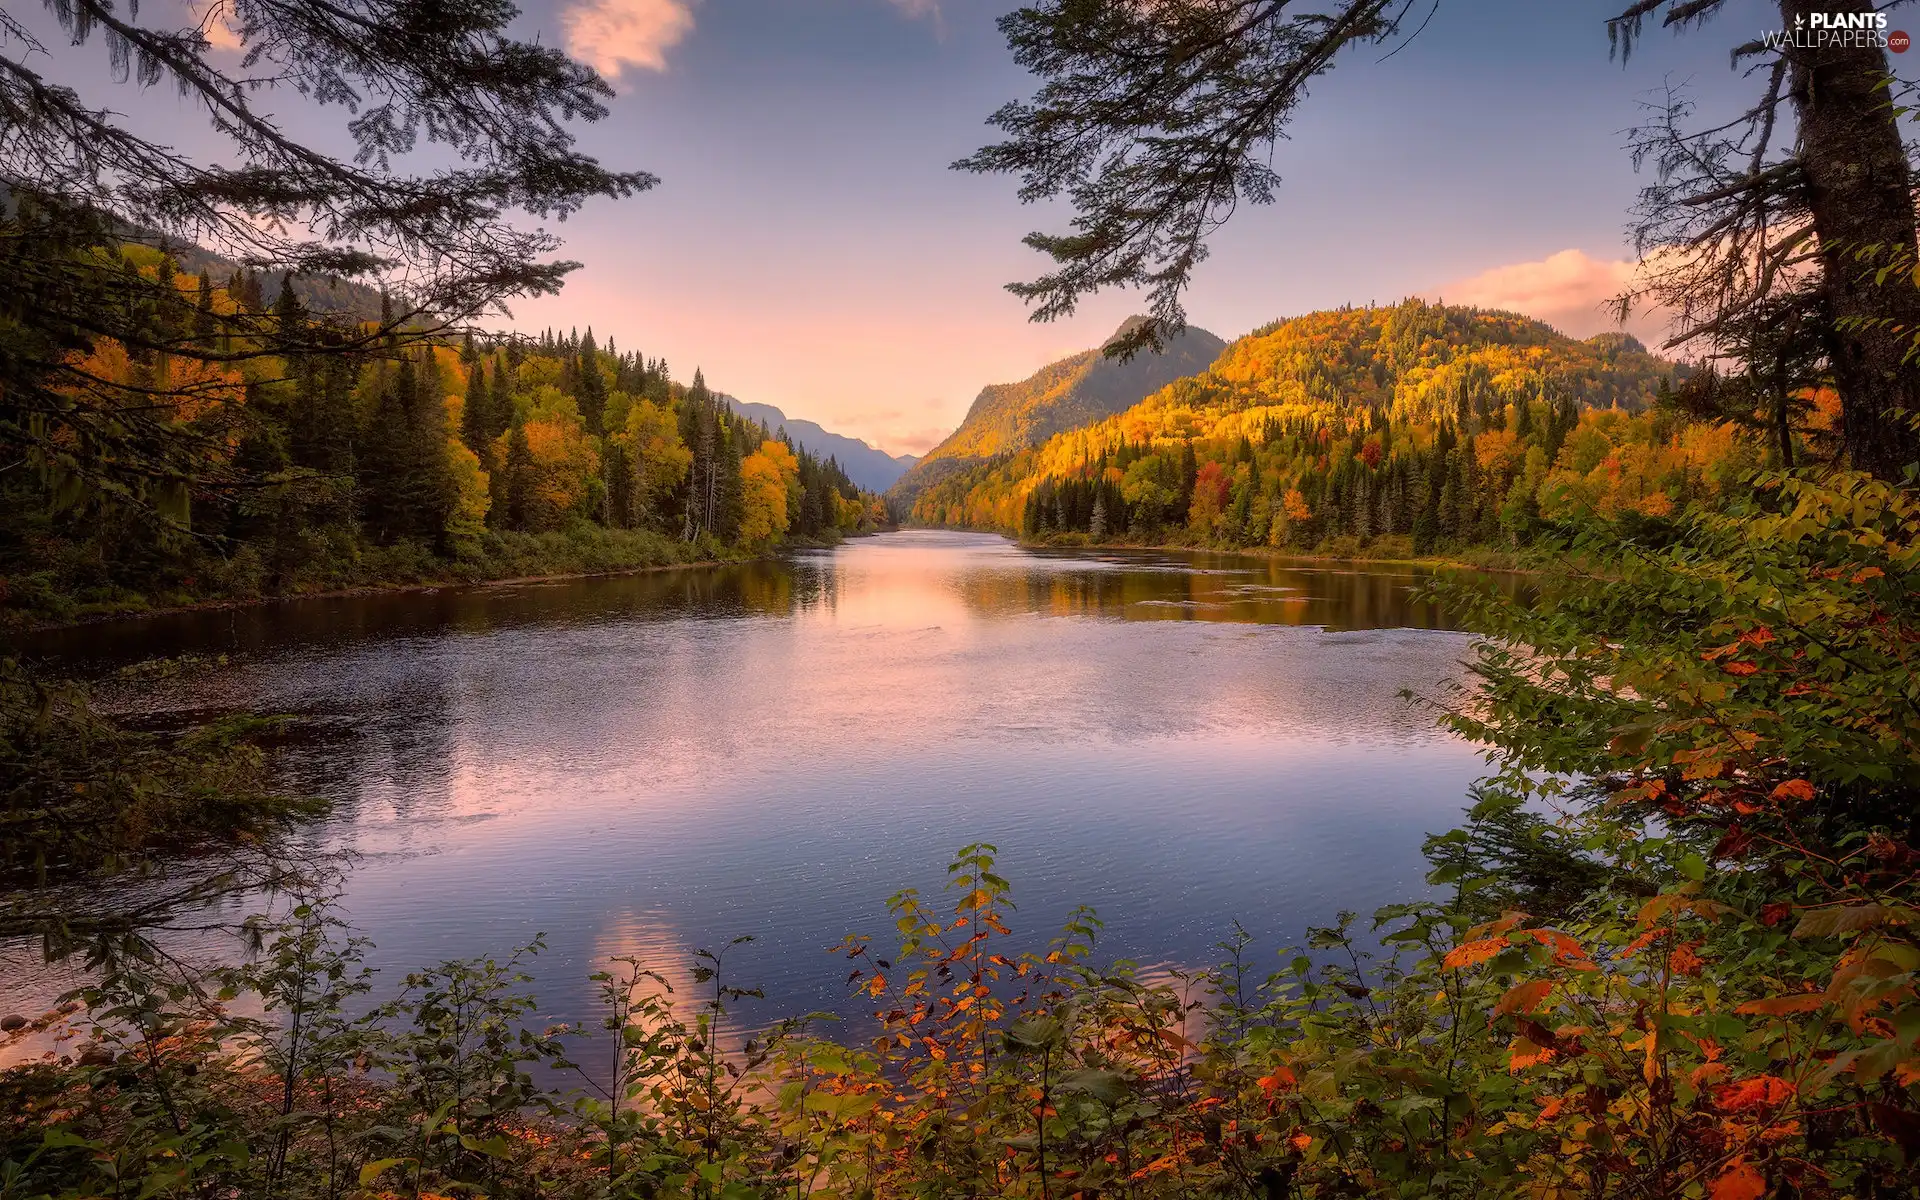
(660, 459)
(564, 461)
(765, 476)
(472, 487)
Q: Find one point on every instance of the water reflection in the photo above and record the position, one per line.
(660, 762)
(902, 580)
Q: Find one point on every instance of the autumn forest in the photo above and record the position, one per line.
(429, 459)
(1406, 750)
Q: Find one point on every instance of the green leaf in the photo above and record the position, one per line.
(1830, 922)
(493, 1147)
(377, 1168)
(1108, 1087)
(61, 1138)
(1032, 1033)
(843, 1106)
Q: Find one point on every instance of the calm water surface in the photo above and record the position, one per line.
(654, 763)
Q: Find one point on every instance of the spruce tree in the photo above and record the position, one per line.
(591, 390)
(381, 460)
(500, 400)
(205, 321)
(476, 415)
(518, 471)
(429, 478)
(289, 318)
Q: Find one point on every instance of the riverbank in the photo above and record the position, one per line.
(32, 604)
(1389, 550)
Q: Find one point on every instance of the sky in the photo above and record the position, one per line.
(809, 247)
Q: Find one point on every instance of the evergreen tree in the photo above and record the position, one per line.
(407, 484)
(591, 387)
(500, 400)
(476, 414)
(205, 320)
(289, 316)
(620, 508)
(517, 472)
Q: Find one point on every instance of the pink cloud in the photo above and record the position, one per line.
(919, 8)
(909, 441)
(212, 17)
(1569, 290)
(611, 35)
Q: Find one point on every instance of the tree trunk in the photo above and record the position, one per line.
(1859, 189)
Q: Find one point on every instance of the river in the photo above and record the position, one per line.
(654, 763)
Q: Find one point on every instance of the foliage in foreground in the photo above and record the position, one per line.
(88, 796)
(1712, 996)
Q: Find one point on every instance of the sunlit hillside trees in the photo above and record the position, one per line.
(1077, 390)
(1446, 426)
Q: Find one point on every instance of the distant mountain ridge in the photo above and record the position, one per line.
(1064, 395)
(873, 469)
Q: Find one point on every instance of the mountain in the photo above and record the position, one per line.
(873, 470)
(1076, 391)
(1299, 398)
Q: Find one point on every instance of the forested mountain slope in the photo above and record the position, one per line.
(1447, 424)
(1070, 393)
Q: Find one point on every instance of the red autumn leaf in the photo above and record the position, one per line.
(1762, 1091)
(1706, 1073)
(1741, 1181)
(1523, 1054)
(1793, 789)
(1866, 573)
(1733, 844)
(1648, 789)
(1281, 1080)
(1741, 668)
(1524, 998)
(1684, 961)
(1640, 943)
(1773, 914)
(1564, 946)
(1470, 954)
(1780, 1006)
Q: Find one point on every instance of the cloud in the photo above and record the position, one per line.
(212, 16)
(913, 441)
(1568, 290)
(928, 10)
(610, 35)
